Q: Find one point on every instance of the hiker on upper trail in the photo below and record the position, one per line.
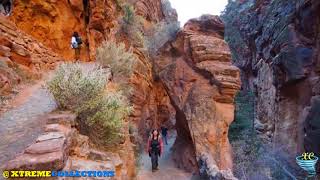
(155, 148)
(76, 42)
(164, 132)
(5, 7)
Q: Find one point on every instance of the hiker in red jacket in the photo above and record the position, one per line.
(155, 148)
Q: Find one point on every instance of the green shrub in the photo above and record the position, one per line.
(72, 85)
(104, 116)
(131, 25)
(115, 56)
(81, 89)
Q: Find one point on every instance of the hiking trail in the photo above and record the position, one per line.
(22, 123)
(167, 169)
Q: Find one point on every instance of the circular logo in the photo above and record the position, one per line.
(5, 174)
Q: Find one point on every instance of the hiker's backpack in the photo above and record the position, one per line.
(79, 40)
(74, 45)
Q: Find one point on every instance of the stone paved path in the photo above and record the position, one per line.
(168, 170)
(21, 125)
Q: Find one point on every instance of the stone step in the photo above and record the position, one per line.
(48, 161)
(64, 118)
(51, 149)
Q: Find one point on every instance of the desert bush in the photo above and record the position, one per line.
(81, 89)
(73, 85)
(162, 33)
(115, 56)
(131, 25)
(104, 116)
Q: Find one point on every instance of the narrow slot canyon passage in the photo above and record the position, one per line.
(167, 167)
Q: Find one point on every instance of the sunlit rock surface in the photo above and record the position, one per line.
(197, 73)
(21, 56)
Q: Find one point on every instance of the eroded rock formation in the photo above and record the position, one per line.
(53, 22)
(276, 45)
(152, 106)
(21, 56)
(197, 73)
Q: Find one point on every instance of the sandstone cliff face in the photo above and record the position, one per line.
(52, 23)
(21, 56)
(197, 73)
(150, 9)
(276, 45)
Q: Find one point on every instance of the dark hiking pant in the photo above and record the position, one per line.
(77, 54)
(165, 139)
(154, 159)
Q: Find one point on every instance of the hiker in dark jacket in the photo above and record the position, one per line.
(155, 148)
(76, 42)
(164, 132)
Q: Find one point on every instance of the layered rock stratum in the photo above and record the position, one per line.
(21, 56)
(201, 82)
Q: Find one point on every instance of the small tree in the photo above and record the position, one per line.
(131, 25)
